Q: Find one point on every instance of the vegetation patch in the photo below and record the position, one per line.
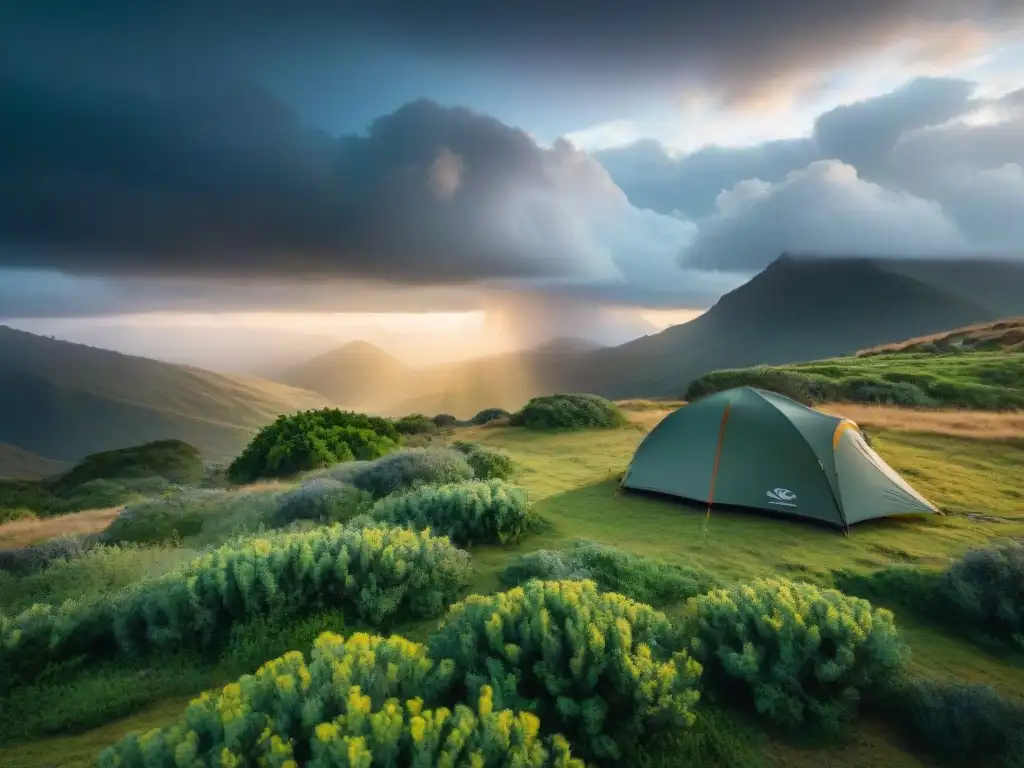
(26, 560)
(569, 411)
(800, 654)
(991, 381)
(361, 701)
(487, 415)
(411, 468)
(479, 512)
(594, 666)
(376, 575)
(639, 578)
(176, 461)
(956, 721)
(321, 500)
(311, 440)
(415, 424)
(486, 463)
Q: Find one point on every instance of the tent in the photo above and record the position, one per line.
(751, 448)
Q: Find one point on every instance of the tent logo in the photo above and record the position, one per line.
(782, 496)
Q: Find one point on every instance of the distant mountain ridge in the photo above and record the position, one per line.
(357, 376)
(799, 308)
(17, 462)
(64, 401)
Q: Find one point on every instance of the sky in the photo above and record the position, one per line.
(232, 184)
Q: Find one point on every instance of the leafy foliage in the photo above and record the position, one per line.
(310, 440)
(322, 500)
(415, 424)
(10, 514)
(42, 554)
(799, 653)
(375, 575)
(639, 578)
(984, 590)
(410, 468)
(569, 411)
(488, 415)
(358, 702)
(958, 721)
(445, 420)
(593, 665)
(479, 512)
(486, 464)
(174, 460)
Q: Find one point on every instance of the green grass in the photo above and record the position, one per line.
(982, 380)
(572, 479)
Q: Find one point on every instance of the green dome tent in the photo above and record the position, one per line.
(748, 447)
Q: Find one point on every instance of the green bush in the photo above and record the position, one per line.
(311, 440)
(972, 723)
(357, 702)
(174, 460)
(410, 468)
(569, 411)
(486, 464)
(800, 654)
(43, 554)
(592, 665)
(322, 500)
(415, 424)
(488, 415)
(984, 591)
(639, 578)
(491, 512)
(445, 421)
(375, 575)
(10, 514)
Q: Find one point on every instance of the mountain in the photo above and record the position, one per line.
(358, 376)
(17, 462)
(65, 401)
(797, 309)
(999, 283)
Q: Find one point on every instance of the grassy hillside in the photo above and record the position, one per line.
(978, 367)
(571, 479)
(17, 462)
(64, 400)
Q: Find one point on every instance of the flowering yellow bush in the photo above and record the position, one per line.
(377, 575)
(593, 665)
(359, 702)
(800, 652)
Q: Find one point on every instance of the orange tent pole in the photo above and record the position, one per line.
(714, 472)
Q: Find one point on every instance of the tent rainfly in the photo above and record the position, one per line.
(748, 447)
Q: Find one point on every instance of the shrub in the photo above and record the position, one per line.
(445, 420)
(488, 415)
(592, 665)
(410, 468)
(984, 591)
(97, 494)
(486, 464)
(415, 424)
(958, 721)
(174, 460)
(310, 440)
(639, 578)
(322, 500)
(357, 702)
(799, 653)
(155, 521)
(492, 512)
(42, 554)
(569, 411)
(377, 576)
(9, 514)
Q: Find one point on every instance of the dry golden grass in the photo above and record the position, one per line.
(22, 533)
(977, 424)
(636, 404)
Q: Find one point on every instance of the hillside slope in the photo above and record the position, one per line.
(64, 400)
(358, 376)
(797, 309)
(17, 462)
(999, 281)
